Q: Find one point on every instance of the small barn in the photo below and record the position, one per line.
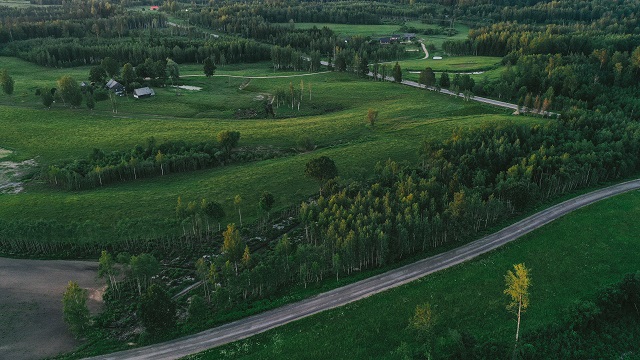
(143, 92)
(115, 86)
(154, 7)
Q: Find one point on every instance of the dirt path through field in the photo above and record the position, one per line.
(31, 325)
(424, 48)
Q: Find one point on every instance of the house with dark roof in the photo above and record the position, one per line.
(385, 41)
(409, 36)
(115, 86)
(143, 92)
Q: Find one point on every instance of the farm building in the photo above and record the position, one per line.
(409, 36)
(155, 7)
(143, 92)
(115, 86)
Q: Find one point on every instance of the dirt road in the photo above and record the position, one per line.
(31, 325)
(262, 322)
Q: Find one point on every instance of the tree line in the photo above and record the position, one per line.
(101, 168)
(18, 25)
(75, 52)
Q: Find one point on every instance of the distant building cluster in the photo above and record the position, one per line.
(397, 38)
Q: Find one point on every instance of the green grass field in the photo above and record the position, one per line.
(363, 30)
(569, 259)
(333, 119)
(451, 64)
(437, 40)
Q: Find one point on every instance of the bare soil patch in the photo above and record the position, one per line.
(12, 173)
(31, 305)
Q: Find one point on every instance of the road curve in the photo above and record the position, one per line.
(338, 297)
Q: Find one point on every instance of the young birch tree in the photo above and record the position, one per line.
(518, 283)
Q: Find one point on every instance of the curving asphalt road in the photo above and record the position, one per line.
(262, 322)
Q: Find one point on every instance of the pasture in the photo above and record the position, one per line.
(451, 63)
(334, 120)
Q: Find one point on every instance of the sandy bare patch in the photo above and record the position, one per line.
(11, 173)
(188, 87)
(31, 305)
(4, 153)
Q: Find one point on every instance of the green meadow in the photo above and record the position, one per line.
(363, 30)
(451, 63)
(334, 120)
(569, 259)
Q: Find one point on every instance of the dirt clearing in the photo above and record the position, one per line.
(31, 305)
(12, 173)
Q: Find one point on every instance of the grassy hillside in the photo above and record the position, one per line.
(569, 259)
(334, 119)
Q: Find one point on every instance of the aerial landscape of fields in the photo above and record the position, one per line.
(293, 179)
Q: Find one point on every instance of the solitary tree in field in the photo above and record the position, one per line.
(46, 97)
(266, 202)
(321, 169)
(74, 308)
(6, 81)
(209, 67)
(422, 323)
(518, 283)
(69, 91)
(397, 73)
(372, 117)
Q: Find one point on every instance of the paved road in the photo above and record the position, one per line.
(262, 322)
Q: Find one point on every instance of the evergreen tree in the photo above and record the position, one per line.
(7, 82)
(209, 67)
(444, 80)
(397, 73)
